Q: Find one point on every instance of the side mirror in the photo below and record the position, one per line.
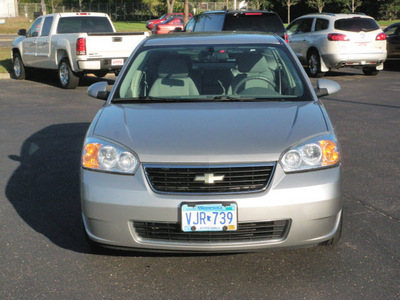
(326, 87)
(99, 90)
(22, 32)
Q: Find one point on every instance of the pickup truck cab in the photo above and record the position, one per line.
(74, 44)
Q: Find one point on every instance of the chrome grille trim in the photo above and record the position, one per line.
(271, 231)
(179, 179)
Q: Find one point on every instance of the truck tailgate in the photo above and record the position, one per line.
(115, 45)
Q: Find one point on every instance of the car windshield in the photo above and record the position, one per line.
(356, 24)
(212, 73)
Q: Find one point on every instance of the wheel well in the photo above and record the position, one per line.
(15, 51)
(60, 55)
(311, 50)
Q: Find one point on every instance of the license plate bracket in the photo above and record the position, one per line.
(200, 217)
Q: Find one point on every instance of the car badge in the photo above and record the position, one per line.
(209, 178)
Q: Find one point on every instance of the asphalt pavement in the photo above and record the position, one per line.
(44, 255)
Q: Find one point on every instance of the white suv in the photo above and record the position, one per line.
(325, 41)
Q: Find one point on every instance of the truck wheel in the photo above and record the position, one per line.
(314, 65)
(67, 78)
(18, 67)
(371, 71)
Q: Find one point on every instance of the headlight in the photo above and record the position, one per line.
(316, 153)
(104, 155)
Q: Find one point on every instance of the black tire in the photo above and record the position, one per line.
(18, 67)
(335, 240)
(370, 71)
(314, 65)
(67, 78)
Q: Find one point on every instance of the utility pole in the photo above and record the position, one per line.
(185, 12)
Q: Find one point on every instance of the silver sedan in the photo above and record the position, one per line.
(211, 142)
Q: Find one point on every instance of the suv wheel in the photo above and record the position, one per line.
(66, 77)
(314, 65)
(371, 71)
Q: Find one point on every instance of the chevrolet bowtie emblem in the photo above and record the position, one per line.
(209, 178)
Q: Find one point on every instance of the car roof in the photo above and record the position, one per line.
(207, 38)
(336, 16)
(235, 11)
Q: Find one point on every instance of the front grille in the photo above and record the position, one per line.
(247, 232)
(181, 179)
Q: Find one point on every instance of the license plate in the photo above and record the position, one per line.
(209, 217)
(117, 62)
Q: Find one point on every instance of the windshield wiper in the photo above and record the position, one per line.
(150, 99)
(232, 98)
(244, 99)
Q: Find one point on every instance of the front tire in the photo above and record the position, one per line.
(314, 65)
(370, 71)
(18, 67)
(67, 78)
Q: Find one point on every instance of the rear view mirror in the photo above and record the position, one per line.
(99, 90)
(326, 87)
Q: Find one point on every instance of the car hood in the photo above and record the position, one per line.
(222, 132)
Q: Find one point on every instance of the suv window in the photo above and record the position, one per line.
(305, 26)
(237, 21)
(356, 24)
(321, 24)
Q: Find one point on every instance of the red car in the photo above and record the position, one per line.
(168, 26)
(151, 23)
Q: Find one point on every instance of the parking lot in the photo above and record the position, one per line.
(43, 253)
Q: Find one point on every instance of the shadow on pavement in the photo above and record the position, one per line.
(49, 77)
(44, 190)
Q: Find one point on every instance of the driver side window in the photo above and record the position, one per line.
(35, 28)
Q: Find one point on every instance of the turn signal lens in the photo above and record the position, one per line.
(330, 154)
(89, 158)
(107, 156)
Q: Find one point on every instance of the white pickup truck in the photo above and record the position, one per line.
(74, 44)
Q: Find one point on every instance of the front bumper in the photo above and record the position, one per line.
(311, 201)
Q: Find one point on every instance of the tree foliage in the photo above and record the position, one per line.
(318, 4)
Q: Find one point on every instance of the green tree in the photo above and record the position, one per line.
(318, 4)
(153, 6)
(389, 9)
(351, 5)
(288, 4)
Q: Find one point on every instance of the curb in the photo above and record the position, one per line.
(5, 76)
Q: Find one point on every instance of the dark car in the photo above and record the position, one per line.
(393, 41)
(234, 20)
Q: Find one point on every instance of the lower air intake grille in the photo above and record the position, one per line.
(247, 232)
(210, 179)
